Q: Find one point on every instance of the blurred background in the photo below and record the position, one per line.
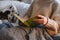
(26, 1)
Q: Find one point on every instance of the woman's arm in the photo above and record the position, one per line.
(52, 27)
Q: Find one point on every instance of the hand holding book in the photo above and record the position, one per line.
(40, 19)
(37, 20)
(34, 21)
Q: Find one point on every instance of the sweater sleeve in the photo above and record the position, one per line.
(54, 23)
(52, 27)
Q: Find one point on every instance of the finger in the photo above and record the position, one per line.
(40, 21)
(40, 16)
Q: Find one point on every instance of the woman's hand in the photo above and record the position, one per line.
(41, 19)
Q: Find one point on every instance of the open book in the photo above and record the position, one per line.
(28, 23)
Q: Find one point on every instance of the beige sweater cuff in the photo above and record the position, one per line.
(52, 23)
(52, 26)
